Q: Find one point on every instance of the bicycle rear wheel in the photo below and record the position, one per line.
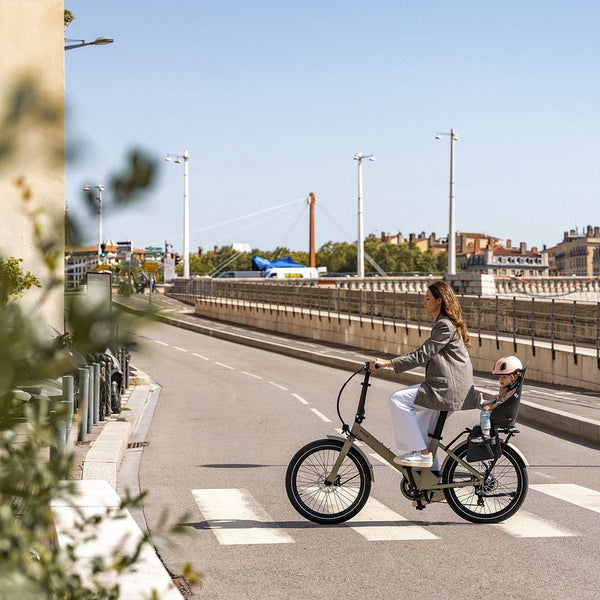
(498, 499)
(322, 502)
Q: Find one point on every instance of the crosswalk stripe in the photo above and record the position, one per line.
(526, 524)
(236, 518)
(571, 492)
(379, 523)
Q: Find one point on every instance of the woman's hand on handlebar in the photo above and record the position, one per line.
(379, 363)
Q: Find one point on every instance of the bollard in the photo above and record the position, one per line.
(102, 400)
(126, 358)
(90, 410)
(82, 402)
(68, 387)
(121, 359)
(57, 449)
(96, 368)
(107, 400)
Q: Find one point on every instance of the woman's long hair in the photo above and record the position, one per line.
(451, 308)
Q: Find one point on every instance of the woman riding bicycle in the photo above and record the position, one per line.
(448, 381)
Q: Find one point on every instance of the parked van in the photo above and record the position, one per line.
(292, 273)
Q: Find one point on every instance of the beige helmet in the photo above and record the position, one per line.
(507, 365)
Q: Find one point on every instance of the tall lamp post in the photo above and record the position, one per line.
(186, 209)
(451, 232)
(100, 188)
(360, 249)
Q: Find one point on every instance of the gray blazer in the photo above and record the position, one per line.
(448, 381)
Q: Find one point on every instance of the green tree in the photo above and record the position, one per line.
(338, 257)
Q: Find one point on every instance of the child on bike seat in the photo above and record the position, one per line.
(508, 369)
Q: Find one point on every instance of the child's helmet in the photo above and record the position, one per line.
(507, 365)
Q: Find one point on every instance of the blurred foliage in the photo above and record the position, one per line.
(28, 116)
(34, 468)
(13, 281)
(125, 187)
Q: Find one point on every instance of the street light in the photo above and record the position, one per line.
(186, 209)
(99, 41)
(360, 254)
(451, 233)
(100, 188)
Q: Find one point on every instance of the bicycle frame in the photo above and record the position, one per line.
(421, 479)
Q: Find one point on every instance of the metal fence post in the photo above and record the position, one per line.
(575, 331)
(532, 326)
(82, 404)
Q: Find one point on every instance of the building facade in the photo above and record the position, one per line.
(79, 261)
(575, 255)
(481, 253)
(32, 165)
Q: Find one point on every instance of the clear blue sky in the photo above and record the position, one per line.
(272, 99)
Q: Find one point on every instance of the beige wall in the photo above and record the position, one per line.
(32, 51)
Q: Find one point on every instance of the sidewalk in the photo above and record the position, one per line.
(96, 470)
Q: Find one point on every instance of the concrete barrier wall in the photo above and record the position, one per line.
(376, 337)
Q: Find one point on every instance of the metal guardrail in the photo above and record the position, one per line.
(537, 319)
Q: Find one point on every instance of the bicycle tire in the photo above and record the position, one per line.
(502, 495)
(327, 504)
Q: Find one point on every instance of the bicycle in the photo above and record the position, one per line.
(328, 481)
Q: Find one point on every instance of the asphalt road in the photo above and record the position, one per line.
(227, 422)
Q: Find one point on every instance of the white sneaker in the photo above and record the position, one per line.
(414, 459)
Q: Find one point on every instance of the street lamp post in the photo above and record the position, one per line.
(100, 189)
(99, 41)
(360, 250)
(186, 209)
(451, 232)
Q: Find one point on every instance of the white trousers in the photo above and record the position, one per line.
(412, 423)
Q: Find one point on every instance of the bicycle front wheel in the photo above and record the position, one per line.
(500, 497)
(317, 499)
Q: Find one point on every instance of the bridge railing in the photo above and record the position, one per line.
(556, 321)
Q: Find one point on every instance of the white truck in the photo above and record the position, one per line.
(292, 273)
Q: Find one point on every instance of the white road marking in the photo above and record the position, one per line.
(236, 518)
(544, 475)
(224, 365)
(300, 398)
(321, 415)
(526, 524)
(200, 356)
(278, 386)
(161, 343)
(571, 492)
(180, 349)
(252, 375)
(381, 523)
